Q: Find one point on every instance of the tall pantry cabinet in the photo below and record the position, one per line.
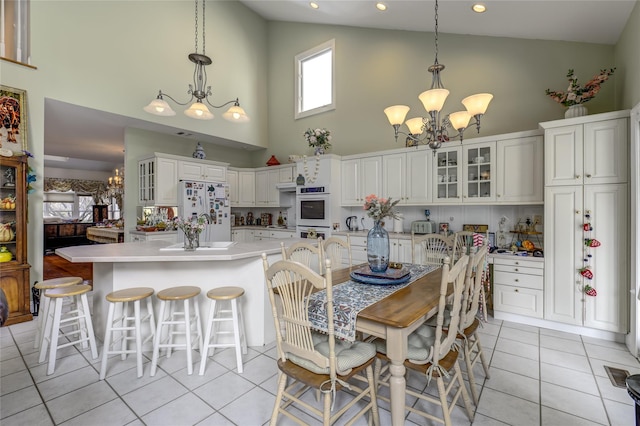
(586, 187)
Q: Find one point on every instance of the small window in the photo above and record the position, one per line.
(315, 83)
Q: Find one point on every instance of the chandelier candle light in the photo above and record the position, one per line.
(432, 129)
(199, 90)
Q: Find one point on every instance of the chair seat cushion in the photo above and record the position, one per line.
(419, 344)
(433, 321)
(348, 355)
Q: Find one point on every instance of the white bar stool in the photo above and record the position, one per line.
(224, 294)
(123, 297)
(186, 294)
(43, 286)
(79, 316)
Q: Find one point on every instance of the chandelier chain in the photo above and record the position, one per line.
(196, 25)
(203, 28)
(436, 36)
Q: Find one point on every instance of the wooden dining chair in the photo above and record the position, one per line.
(429, 249)
(338, 251)
(431, 352)
(462, 241)
(308, 254)
(309, 360)
(469, 322)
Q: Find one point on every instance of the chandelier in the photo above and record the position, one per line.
(115, 184)
(432, 130)
(199, 89)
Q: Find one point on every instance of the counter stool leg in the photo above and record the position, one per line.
(124, 333)
(107, 341)
(46, 334)
(138, 331)
(204, 351)
(89, 325)
(243, 336)
(156, 340)
(187, 326)
(236, 333)
(152, 321)
(171, 309)
(55, 333)
(198, 325)
(81, 328)
(42, 317)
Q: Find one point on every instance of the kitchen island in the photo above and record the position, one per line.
(151, 264)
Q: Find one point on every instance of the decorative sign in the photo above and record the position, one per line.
(13, 120)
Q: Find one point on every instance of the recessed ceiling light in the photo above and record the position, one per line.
(381, 6)
(314, 5)
(479, 8)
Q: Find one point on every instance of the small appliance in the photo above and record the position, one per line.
(352, 223)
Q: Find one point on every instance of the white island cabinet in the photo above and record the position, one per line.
(146, 264)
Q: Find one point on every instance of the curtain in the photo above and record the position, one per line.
(97, 188)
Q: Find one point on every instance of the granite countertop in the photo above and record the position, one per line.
(150, 252)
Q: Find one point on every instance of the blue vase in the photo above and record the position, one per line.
(378, 248)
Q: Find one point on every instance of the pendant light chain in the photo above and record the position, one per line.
(203, 28)
(436, 37)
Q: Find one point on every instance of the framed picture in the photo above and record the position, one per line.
(13, 120)
(476, 228)
(444, 228)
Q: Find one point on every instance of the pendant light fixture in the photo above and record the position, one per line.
(199, 89)
(432, 129)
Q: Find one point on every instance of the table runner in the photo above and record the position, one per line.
(351, 297)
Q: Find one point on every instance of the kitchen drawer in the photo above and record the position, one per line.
(359, 241)
(517, 300)
(518, 269)
(518, 262)
(515, 279)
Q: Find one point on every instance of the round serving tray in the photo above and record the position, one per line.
(379, 280)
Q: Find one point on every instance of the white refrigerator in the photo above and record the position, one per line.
(210, 199)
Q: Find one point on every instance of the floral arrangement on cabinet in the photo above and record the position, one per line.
(577, 95)
(378, 208)
(320, 139)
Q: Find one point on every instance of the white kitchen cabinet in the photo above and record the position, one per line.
(565, 254)
(242, 187)
(281, 235)
(478, 173)
(266, 192)
(518, 286)
(192, 170)
(594, 151)
(286, 174)
(137, 236)
(360, 177)
(407, 177)
(519, 170)
(358, 249)
(158, 181)
(242, 235)
(447, 175)
(261, 234)
(400, 250)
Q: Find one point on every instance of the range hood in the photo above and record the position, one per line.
(287, 187)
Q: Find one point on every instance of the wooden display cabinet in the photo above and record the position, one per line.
(14, 273)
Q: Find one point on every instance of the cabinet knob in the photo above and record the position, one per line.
(516, 269)
(588, 176)
(517, 263)
(499, 195)
(577, 176)
(516, 290)
(577, 211)
(517, 280)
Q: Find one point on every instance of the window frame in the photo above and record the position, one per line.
(298, 95)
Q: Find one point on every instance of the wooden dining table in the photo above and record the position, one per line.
(394, 318)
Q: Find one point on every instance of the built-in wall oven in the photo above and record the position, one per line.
(313, 208)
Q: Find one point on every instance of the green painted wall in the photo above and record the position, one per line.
(627, 55)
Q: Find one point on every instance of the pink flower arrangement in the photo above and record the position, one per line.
(576, 95)
(379, 208)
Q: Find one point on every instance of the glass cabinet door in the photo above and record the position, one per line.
(447, 175)
(479, 177)
(10, 223)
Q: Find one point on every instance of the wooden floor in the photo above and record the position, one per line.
(56, 267)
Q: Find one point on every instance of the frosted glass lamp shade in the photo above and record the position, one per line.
(433, 100)
(396, 114)
(159, 107)
(415, 125)
(459, 120)
(236, 114)
(478, 103)
(199, 111)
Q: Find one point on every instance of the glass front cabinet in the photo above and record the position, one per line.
(14, 269)
(447, 175)
(478, 173)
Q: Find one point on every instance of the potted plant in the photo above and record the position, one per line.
(575, 95)
(320, 139)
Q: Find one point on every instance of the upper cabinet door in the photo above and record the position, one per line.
(350, 176)
(519, 170)
(605, 152)
(563, 161)
(394, 183)
(447, 176)
(478, 174)
(419, 172)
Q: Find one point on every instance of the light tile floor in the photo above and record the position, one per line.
(538, 377)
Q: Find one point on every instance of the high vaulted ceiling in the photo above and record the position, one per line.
(97, 137)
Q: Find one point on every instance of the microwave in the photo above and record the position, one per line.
(313, 209)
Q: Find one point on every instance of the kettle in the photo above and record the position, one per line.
(352, 223)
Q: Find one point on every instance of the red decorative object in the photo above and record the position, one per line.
(590, 291)
(591, 242)
(273, 161)
(586, 272)
(587, 227)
